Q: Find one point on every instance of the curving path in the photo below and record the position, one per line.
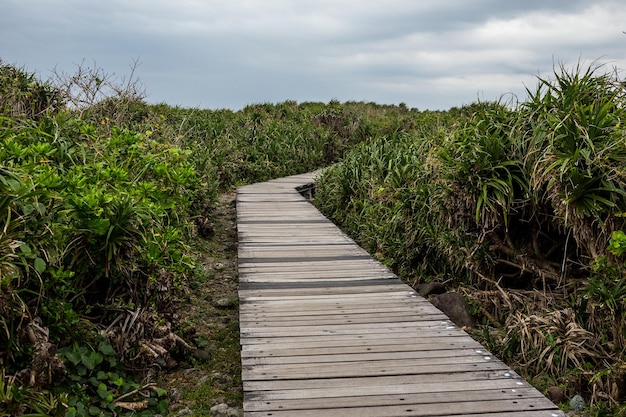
(328, 331)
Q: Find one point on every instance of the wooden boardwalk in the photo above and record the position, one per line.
(328, 331)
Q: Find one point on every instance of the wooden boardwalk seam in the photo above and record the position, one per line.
(326, 330)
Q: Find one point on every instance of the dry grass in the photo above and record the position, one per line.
(552, 341)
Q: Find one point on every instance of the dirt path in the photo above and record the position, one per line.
(209, 319)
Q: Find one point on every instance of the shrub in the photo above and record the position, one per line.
(23, 96)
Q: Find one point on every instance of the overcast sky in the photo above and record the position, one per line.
(429, 54)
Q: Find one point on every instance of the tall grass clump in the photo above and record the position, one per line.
(22, 95)
(377, 189)
(520, 206)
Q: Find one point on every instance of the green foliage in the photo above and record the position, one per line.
(24, 401)
(479, 158)
(617, 244)
(92, 215)
(493, 182)
(606, 290)
(99, 387)
(265, 141)
(101, 200)
(381, 186)
(576, 151)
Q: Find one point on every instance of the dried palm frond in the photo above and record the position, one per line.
(497, 305)
(553, 341)
(144, 329)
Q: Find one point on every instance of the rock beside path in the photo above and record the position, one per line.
(223, 410)
(453, 305)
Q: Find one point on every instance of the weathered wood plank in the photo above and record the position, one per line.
(413, 367)
(319, 289)
(262, 310)
(309, 276)
(449, 356)
(344, 328)
(507, 407)
(288, 349)
(338, 318)
(391, 388)
(360, 383)
(336, 339)
(427, 399)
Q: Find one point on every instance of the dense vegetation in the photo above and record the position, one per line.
(100, 197)
(521, 208)
(518, 206)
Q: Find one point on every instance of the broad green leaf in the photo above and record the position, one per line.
(74, 357)
(40, 265)
(14, 184)
(106, 349)
(91, 360)
(27, 209)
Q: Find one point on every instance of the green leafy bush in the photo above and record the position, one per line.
(99, 387)
(94, 219)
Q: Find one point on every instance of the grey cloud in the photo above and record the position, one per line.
(214, 53)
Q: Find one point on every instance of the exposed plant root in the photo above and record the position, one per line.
(139, 328)
(46, 368)
(133, 405)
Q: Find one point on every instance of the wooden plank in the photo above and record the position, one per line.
(360, 383)
(390, 388)
(415, 367)
(272, 305)
(304, 319)
(530, 406)
(311, 276)
(262, 310)
(422, 399)
(264, 325)
(319, 289)
(347, 328)
(370, 337)
(334, 308)
(357, 268)
(284, 351)
(403, 293)
(437, 354)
